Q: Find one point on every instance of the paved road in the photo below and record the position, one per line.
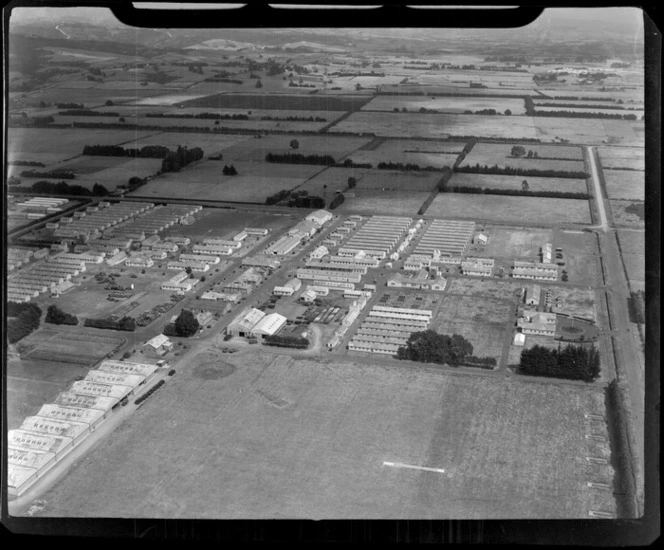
(628, 351)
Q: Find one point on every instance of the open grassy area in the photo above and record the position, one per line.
(500, 154)
(518, 210)
(211, 144)
(632, 158)
(378, 202)
(503, 289)
(204, 180)
(587, 131)
(629, 214)
(262, 101)
(412, 125)
(278, 438)
(53, 145)
(445, 104)
(410, 151)
(514, 243)
(625, 184)
(492, 181)
(576, 301)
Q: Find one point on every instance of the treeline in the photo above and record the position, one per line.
(573, 114)
(211, 116)
(87, 112)
(408, 167)
(56, 174)
(348, 163)
(638, 306)
(571, 362)
(25, 163)
(66, 105)
(56, 316)
(511, 171)
(488, 363)
(125, 323)
(513, 192)
(296, 342)
(295, 118)
(45, 187)
(22, 319)
(430, 347)
(298, 158)
(149, 151)
(298, 199)
(579, 106)
(481, 112)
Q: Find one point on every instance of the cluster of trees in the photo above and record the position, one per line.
(278, 197)
(87, 112)
(56, 316)
(480, 362)
(295, 118)
(126, 323)
(572, 362)
(220, 79)
(185, 325)
(308, 201)
(300, 85)
(348, 163)
(519, 151)
(511, 171)
(229, 170)
(336, 201)
(286, 341)
(203, 116)
(22, 319)
(180, 158)
(196, 67)
(147, 394)
(484, 112)
(297, 158)
(66, 105)
(45, 187)
(430, 347)
(352, 182)
(523, 192)
(56, 174)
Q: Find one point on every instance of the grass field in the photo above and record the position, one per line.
(90, 96)
(515, 243)
(633, 249)
(388, 203)
(632, 158)
(625, 184)
(498, 208)
(577, 302)
(256, 149)
(589, 131)
(628, 214)
(279, 438)
(293, 102)
(413, 125)
(492, 181)
(211, 144)
(501, 289)
(499, 153)
(422, 153)
(54, 145)
(590, 110)
(445, 104)
(254, 183)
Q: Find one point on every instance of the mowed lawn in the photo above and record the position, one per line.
(625, 184)
(413, 125)
(515, 183)
(499, 208)
(264, 436)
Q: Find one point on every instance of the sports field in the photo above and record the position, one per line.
(265, 436)
(518, 210)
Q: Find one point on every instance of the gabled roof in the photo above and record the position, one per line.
(157, 341)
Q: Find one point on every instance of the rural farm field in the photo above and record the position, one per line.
(625, 184)
(515, 183)
(388, 203)
(628, 214)
(440, 126)
(446, 104)
(626, 158)
(282, 438)
(436, 154)
(550, 157)
(499, 208)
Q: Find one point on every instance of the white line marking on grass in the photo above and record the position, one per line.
(412, 467)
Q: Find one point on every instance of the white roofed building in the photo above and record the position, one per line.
(269, 325)
(320, 217)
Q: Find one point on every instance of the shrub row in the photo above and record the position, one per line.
(212, 116)
(336, 201)
(25, 163)
(298, 158)
(35, 174)
(514, 192)
(87, 112)
(574, 114)
(286, 341)
(56, 316)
